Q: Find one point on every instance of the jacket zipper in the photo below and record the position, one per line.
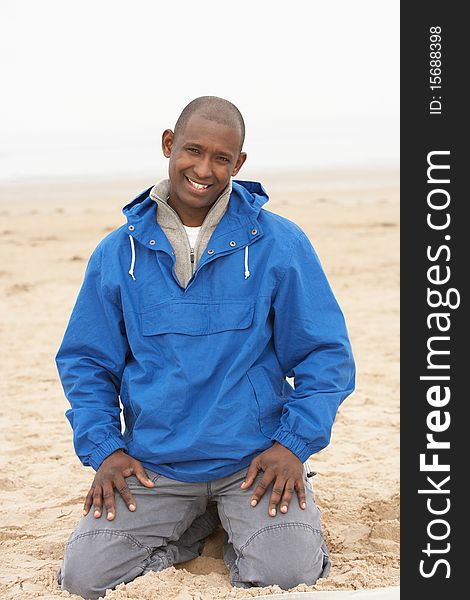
(191, 257)
(184, 236)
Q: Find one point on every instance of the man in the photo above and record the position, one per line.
(193, 314)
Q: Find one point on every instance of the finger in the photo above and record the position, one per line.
(251, 474)
(289, 490)
(88, 501)
(142, 476)
(276, 494)
(97, 501)
(262, 487)
(125, 492)
(109, 500)
(299, 486)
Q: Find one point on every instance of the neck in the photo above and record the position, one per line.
(191, 218)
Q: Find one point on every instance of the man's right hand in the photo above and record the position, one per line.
(110, 476)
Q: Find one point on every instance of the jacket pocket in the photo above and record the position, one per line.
(196, 318)
(270, 397)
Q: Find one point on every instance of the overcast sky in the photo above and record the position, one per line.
(88, 86)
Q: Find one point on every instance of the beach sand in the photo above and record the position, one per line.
(48, 230)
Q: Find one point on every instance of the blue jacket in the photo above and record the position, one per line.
(201, 371)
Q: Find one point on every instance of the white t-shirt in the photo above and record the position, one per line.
(192, 232)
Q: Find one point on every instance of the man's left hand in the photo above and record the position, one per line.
(283, 468)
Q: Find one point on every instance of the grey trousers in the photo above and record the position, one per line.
(169, 526)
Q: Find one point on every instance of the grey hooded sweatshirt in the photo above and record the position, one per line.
(169, 221)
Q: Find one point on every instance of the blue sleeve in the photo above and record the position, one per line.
(312, 345)
(90, 362)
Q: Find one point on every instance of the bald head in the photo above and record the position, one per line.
(215, 109)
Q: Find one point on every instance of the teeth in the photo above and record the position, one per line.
(198, 186)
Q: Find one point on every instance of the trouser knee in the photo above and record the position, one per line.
(284, 555)
(100, 560)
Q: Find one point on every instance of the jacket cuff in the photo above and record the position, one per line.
(110, 445)
(295, 444)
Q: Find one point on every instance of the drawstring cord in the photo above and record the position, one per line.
(131, 270)
(247, 271)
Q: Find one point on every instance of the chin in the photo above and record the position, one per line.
(197, 200)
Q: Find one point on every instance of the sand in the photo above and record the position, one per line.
(48, 230)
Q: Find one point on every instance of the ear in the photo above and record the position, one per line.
(238, 165)
(167, 142)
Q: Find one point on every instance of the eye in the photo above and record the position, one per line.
(223, 159)
(193, 150)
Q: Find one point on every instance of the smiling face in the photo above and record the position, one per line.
(203, 157)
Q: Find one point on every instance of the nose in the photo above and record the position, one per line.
(202, 168)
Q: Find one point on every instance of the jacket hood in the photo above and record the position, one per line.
(249, 196)
(252, 192)
(246, 200)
